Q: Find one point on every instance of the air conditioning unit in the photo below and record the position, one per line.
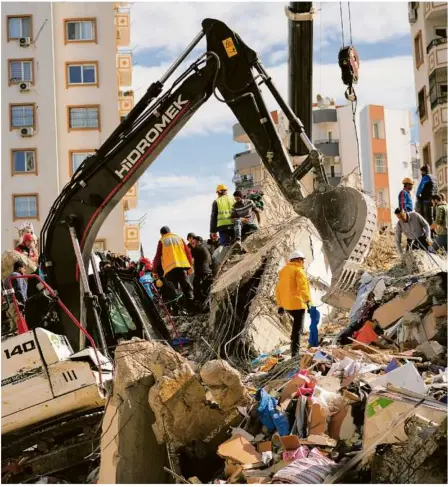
(24, 86)
(27, 131)
(25, 41)
(412, 16)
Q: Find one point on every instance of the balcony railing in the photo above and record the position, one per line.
(440, 100)
(240, 154)
(442, 161)
(435, 42)
(326, 141)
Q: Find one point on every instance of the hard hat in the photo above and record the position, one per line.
(28, 237)
(221, 187)
(297, 254)
(407, 181)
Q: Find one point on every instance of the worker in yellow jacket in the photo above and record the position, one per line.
(293, 295)
(173, 259)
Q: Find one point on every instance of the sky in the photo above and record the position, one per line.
(179, 188)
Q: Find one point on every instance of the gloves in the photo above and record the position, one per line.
(281, 311)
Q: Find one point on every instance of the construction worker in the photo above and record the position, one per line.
(440, 225)
(404, 196)
(293, 295)
(203, 277)
(415, 228)
(427, 188)
(173, 259)
(244, 212)
(221, 221)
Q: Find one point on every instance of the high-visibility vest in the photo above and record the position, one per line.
(173, 253)
(225, 204)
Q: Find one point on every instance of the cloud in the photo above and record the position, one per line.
(171, 26)
(376, 86)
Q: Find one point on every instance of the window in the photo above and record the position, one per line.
(418, 49)
(426, 155)
(20, 70)
(24, 161)
(22, 116)
(77, 157)
(19, 26)
(80, 30)
(25, 206)
(381, 199)
(377, 130)
(99, 245)
(438, 87)
(380, 163)
(440, 32)
(84, 118)
(422, 110)
(82, 74)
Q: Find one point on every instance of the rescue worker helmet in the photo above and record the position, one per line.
(297, 254)
(407, 181)
(221, 187)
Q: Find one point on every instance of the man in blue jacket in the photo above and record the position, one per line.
(427, 188)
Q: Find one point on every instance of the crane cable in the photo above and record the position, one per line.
(354, 102)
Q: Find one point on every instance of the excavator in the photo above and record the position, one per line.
(50, 379)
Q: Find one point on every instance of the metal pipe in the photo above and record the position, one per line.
(179, 60)
(301, 75)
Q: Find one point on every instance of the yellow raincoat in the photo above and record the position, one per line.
(293, 290)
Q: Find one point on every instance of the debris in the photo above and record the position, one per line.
(432, 351)
(406, 377)
(239, 450)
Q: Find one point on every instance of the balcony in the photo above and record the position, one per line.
(246, 160)
(437, 55)
(125, 102)
(132, 237)
(124, 67)
(329, 148)
(440, 118)
(442, 161)
(440, 100)
(325, 115)
(130, 199)
(434, 10)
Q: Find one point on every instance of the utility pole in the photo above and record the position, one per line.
(300, 70)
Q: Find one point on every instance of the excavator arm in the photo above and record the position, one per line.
(232, 72)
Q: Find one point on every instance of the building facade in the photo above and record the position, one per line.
(333, 134)
(428, 21)
(387, 156)
(60, 72)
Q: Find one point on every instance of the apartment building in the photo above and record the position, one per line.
(428, 21)
(387, 156)
(61, 67)
(333, 134)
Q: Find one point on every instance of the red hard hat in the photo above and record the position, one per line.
(147, 263)
(28, 237)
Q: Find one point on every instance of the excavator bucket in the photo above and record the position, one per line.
(346, 221)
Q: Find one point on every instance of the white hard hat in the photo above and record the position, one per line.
(297, 254)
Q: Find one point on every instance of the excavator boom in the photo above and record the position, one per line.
(343, 216)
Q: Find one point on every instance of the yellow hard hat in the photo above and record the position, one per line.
(221, 187)
(159, 283)
(407, 181)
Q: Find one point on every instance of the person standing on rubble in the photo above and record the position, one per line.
(415, 228)
(202, 261)
(426, 189)
(404, 196)
(293, 295)
(221, 221)
(244, 212)
(440, 224)
(173, 260)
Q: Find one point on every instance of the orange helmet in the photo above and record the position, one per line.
(407, 181)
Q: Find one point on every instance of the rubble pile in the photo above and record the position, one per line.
(371, 410)
(382, 254)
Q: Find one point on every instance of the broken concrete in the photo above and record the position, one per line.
(433, 351)
(404, 463)
(418, 296)
(127, 439)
